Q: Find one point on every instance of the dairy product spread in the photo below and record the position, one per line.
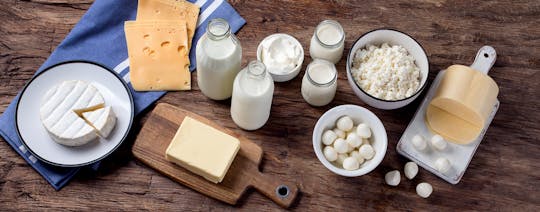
(202, 149)
(281, 53)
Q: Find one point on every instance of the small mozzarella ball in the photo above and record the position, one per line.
(424, 190)
(442, 165)
(367, 151)
(341, 145)
(438, 142)
(330, 154)
(329, 137)
(339, 133)
(341, 158)
(353, 140)
(363, 131)
(344, 123)
(410, 170)
(350, 163)
(359, 158)
(419, 143)
(392, 178)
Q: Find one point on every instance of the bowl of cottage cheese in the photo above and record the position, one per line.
(387, 69)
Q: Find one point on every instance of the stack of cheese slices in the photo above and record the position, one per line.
(158, 44)
(74, 113)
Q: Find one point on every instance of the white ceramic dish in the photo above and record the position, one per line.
(36, 139)
(459, 155)
(392, 37)
(280, 77)
(358, 115)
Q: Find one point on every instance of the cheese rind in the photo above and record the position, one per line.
(102, 120)
(463, 102)
(58, 118)
(202, 149)
(158, 55)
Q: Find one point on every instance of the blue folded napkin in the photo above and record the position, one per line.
(99, 37)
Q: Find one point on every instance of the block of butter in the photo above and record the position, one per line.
(462, 103)
(203, 149)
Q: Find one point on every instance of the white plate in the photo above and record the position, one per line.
(35, 137)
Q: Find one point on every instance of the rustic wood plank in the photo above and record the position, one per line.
(503, 175)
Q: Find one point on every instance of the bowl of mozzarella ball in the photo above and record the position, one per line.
(387, 69)
(349, 140)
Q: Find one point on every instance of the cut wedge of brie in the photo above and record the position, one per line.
(74, 113)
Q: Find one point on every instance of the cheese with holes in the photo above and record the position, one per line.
(463, 102)
(59, 112)
(170, 10)
(203, 149)
(158, 55)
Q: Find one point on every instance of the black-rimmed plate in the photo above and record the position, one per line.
(34, 135)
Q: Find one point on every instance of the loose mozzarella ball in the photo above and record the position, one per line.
(359, 158)
(419, 143)
(353, 140)
(363, 131)
(341, 158)
(341, 145)
(438, 142)
(344, 123)
(339, 133)
(410, 170)
(350, 163)
(442, 165)
(392, 178)
(424, 190)
(367, 151)
(330, 154)
(329, 137)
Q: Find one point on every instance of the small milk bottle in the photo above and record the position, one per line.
(252, 96)
(219, 56)
(319, 84)
(327, 41)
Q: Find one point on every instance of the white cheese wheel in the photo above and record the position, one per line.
(63, 124)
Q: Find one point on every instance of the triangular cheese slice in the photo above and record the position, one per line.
(102, 120)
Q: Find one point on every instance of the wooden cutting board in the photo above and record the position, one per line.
(244, 173)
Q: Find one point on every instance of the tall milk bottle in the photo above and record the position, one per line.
(219, 56)
(252, 96)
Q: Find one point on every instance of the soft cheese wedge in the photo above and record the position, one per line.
(61, 111)
(102, 120)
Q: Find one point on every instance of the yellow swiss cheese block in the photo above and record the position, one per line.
(158, 56)
(170, 10)
(463, 102)
(202, 149)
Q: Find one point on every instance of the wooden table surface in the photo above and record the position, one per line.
(503, 175)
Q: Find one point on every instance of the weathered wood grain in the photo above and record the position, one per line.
(503, 175)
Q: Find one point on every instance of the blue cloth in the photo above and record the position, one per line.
(99, 37)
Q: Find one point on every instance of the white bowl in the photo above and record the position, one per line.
(283, 77)
(392, 37)
(359, 115)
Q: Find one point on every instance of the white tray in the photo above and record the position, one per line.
(458, 155)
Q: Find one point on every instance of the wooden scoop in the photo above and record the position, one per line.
(159, 130)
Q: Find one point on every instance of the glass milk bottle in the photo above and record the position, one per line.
(252, 96)
(219, 56)
(319, 83)
(327, 41)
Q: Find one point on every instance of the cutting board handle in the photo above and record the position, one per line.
(282, 193)
(484, 60)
